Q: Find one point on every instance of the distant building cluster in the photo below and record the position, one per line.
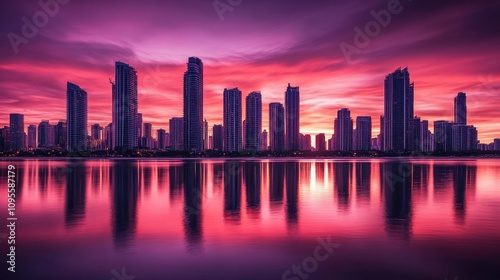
(400, 129)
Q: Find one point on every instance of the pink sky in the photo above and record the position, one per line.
(450, 46)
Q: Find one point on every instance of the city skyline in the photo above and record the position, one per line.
(458, 58)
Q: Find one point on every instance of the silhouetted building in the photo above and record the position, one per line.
(193, 105)
(292, 115)
(232, 120)
(263, 141)
(61, 134)
(305, 143)
(176, 126)
(140, 133)
(5, 138)
(218, 137)
(472, 140)
(76, 117)
(95, 132)
(363, 133)
(414, 136)
(496, 144)
(45, 135)
(254, 121)
(161, 136)
(443, 136)
(32, 137)
(426, 144)
(459, 137)
(461, 108)
(125, 106)
(343, 131)
(276, 127)
(148, 141)
(17, 136)
(320, 142)
(205, 135)
(398, 110)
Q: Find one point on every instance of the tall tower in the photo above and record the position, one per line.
(398, 110)
(17, 136)
(276, 127)
(292, 115)
(343, 130)
(254, 121)
(32, 137)
(363, 133)
(76, 117)
(176, 126)
(125, 105)
(461, 108)
(232, 120)
(193, 105)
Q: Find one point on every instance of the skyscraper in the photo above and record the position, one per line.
(292, 115)
(125, 105)
(320, 142)
(263, 141)
(76, 117)
(254, 120)
(276, 127)
(414, 136)
(193, 105)
(205, 135)
(461, 108)
(139, 129)
(162, 139)
(32, 137)
(232, 120)
(218, 137)
(425, 137)
(343, 131)
(45, 134)
(442, 136)
(363, 133)
(61, 134)
(176, 134)
(17, 136)
(94, 132)
(148, 140)
(398, 110)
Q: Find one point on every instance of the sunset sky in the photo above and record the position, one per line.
(448, 46)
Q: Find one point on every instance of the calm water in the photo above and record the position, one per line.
(241, 219)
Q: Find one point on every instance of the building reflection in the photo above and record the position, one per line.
(396, 178)
(176, 182)
(464, 180)
(147, 178)
(442, 179)
(76, 184)
(342, 182)
(232, 191)
(253, 178)
(193, 193)
(276, 184)
(420, 178)
(292, 192)
(363, 179)
(125, 181)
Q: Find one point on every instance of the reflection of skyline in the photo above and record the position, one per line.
(253, 186)
(125, 184)
(193, 193)
(342, 182)
(396, 179)
(292, 192)
(76, 184)
(232, 191)
(363, 176)
(276, 184)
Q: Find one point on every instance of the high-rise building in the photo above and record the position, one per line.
(17, 138)
(205, 135)
(363, 133)
(108, 136)
(76, 117)
(263, 141)
(292, 118)
(139, 129)
(343, 131)
(45, 135)
(254, 121)
(94, 132)
(148, 140)
(32, 137)
(218, 137)
(232, 120)
(193, 105)
(320, 142)
(161, 136)
(276, 127)
(425, 137)
(176, 134)
(472, 140)
(459, 137)
(398, 110)
(414, 136)
(5, 138)
(461, 108)
(443, 136)
(61, 134)
(496, 144)
(125, 106)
